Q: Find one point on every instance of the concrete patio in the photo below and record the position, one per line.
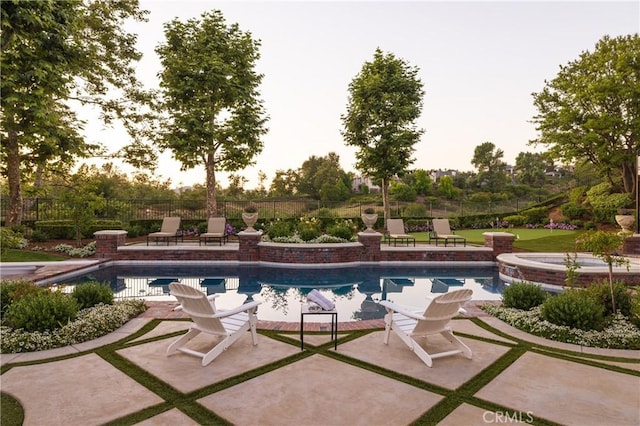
(513, 377)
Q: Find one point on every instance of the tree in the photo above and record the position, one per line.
(591, 110)
(318, 172)
(487, 159)
(385, 99)
(531, 168)
(54, 54)
(605, 245)
(209, 95)
(447, 189)
(419, 180)
(284, 183)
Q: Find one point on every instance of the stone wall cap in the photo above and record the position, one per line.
(111, 232)
(499, 234)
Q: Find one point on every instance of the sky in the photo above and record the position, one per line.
(479, 62)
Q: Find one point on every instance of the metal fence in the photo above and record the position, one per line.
(36, 209)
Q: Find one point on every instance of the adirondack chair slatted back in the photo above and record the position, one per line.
(441, 310)
(198, 307)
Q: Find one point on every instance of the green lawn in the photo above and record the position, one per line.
(538, 240)
(11, 255)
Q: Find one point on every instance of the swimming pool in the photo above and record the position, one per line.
(354, 289)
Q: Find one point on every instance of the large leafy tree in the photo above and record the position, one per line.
(531, 168)
(590, 112)
(492, 171)
(55, 54)
(284, 183)
(385, 99)
(210, 98)
(325, 172)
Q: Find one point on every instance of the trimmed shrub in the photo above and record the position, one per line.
(39, 236)
(601, 292)
(56, 229)
(308, 232)
(535, 215)
(92, 293)
(43, 311)
(575, 309)
(279, 228)
(573, 211)
(65, 229)
(136, 231)
(340, 230)
(515, 220)
(523, 295)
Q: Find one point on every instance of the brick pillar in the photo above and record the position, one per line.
(631, 245)
(107, 243)
(249, 250)
(370, 246)
(501, 242)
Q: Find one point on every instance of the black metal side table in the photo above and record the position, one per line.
(334, 324)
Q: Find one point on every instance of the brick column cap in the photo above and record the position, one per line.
(499, 234)
(365, 234)
(250, 233)
(110, 232)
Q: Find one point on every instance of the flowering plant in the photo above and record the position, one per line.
(251, 208)
(230, 229)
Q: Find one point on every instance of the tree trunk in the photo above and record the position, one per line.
(385, 201)
(629, 177)
(613, 297)
(212, 202)
(14, 213)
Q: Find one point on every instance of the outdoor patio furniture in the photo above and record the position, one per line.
(396, 233)
(442, 231)
(216, 230)
(229, 324)
(435, 320)
(170, 229)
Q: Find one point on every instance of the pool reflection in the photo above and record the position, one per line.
(355, 290)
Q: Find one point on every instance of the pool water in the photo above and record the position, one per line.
(355, 290)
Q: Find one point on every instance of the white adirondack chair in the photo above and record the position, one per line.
(230, 324)
(435, 320)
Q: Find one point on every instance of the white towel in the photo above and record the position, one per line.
(313, 307)
(316, 297)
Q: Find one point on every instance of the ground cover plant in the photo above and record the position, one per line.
(579, 316)
(37, 318)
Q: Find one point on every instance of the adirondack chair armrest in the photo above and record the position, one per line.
(237, 310)
(401, 310)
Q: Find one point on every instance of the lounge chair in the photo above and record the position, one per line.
(442, 231)
(216, 230)
(163, 283)
(170, 229)
(396, 233)
(229, 324)
(214, 285)
(435, 320)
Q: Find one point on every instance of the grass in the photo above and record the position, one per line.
(534, 240)
(14, 255)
